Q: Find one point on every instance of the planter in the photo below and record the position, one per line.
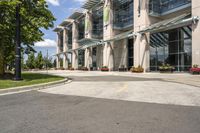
(166, 71)
(104, 69)
(195, 70)
(138, 69)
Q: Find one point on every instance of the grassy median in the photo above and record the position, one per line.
(29, 79)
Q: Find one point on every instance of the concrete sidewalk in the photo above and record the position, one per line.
(182, 78)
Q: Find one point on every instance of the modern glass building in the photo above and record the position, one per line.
(125, 33)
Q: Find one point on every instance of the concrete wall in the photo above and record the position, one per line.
(196, 33)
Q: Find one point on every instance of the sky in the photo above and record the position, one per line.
(61, 9)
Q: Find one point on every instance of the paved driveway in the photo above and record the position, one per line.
(104, 103)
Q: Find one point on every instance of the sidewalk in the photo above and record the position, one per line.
(182, 78)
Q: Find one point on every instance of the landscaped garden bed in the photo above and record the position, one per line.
(138, 69)
(104, 69)
(195, 69)
(166, 68)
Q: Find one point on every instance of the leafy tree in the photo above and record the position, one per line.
(39, 61)
(30, 63)
(48, 62)
(35, 15)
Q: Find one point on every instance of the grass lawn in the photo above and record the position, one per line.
(29, 79)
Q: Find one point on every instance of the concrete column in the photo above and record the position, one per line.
(88, 25)
(108, 34)
(99, 57)
(58, 51)
(88, 57)
(57, 61)
(74, 45)
(196, 33)
(65, 48)
(141, 43)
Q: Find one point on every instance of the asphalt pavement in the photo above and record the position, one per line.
(43, 112)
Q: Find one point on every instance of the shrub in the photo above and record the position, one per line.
(166, 68)
(104, 68)
(138, 69)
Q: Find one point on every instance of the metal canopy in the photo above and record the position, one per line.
(66, 22)
(58, 28)
(89, 4)
(176, 22)
(75, 15)
(121, 36)
(89, 42)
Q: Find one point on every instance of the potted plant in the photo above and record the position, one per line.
(104, 69)
(166, 68)
(195, 69)
(84, 69)
(138, 69)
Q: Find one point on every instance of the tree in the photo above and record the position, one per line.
(39, 61)
(35, 15)
(48, 62)
(30, 63)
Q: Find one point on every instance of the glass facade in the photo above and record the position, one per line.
(61, 41)
(97, 23)
(130, 53)
(81, 28)
(81, 58)
(161, 7)
(94, 57)
(70, 37)
(172, 47)
(123, 13)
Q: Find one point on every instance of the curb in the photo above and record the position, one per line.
(34, 87)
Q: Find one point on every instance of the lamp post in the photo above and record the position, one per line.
(18, 46)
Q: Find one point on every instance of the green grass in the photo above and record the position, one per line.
(29, 79)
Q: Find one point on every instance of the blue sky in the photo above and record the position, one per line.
(61, 9)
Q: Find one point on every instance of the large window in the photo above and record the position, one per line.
(81, 28)
(81, 58)
(172, 47)
(97, 24)
(70, 37)
(123, 13)
(61, 41)
(161, 7)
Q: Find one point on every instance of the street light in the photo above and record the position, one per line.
(18, 46)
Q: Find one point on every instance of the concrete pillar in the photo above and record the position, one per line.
(195, 34)
(65, 48)
(99, 57)
(74, 45)
(57, 61)
(141, 43)
(88, 25)
(88, 34)
(88, 57)
(58, 51)
(108, 34)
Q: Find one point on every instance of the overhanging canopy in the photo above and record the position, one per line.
(176, 22)
(66, 22)
(121, 36)
(58, 28)
(90, 4)
(89, 42)
(76, 15)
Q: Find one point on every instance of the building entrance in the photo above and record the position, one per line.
(173, 47)
(130, 53)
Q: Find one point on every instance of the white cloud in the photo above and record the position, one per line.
(54, 2)
(46, 43)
